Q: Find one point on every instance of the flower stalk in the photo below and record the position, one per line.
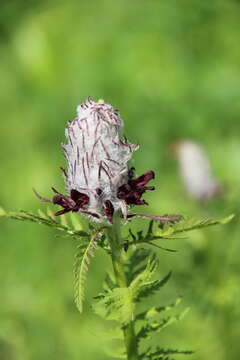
(116, 246)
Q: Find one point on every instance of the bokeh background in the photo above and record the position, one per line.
(173, 70)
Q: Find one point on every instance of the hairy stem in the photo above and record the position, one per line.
(115, 242)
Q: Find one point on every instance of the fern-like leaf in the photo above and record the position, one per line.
(189, 224)
(47, 219)
(85, 252)
(137, 262)
(171, 231)
(109, 283)
(120, 303)
(116, 304)
(145, 276)
(115, 353)
(154, 311)
(153, 286)
(151, 355)
(156, 326)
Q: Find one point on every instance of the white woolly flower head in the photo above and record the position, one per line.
(97, 157)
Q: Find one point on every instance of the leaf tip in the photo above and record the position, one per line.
(2, 212)
(227, 219)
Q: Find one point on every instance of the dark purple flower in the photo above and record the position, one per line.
(74, 202)
(133, 190)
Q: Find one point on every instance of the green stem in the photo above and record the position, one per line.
(115, 242)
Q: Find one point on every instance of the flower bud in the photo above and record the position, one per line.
(98, 180)
(97, 158)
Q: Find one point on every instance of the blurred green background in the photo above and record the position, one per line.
(173, 70)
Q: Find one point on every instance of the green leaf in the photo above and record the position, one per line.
(142, 286)
(137, 261)
(119, 303)
(153, 286)
(154, 311)
(47, 219)
(42, 214)
(109, 283)
(145, 276)
(75, 220)
(51, 214)
(162, 353)
(162, 358)
(189, 224)
(115, 333)
(116, 305)
(2, 212)
(63, 220)
(85, 252)
(170, 231)
(116, 352)
(227, 219)
(161, 247)
(156, 326)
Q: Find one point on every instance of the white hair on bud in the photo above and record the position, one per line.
(97, 155)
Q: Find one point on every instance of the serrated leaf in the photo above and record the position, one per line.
(85, 252)
(154, 311)
(113, 334)
(42, 214)
(165, 231)
(76, 223)
(162, 358)
(2, 212)
(169, 231)
(116, 305)
(227, 219)
(145, 276)
(149, 354)
(51, 214)
(190, 224)
(161, 247)
(153, 286)
(44, 219)
(119, 303)
(137, 262)
(116, 352)
(109, 283)
(157, 326)
(63, 220)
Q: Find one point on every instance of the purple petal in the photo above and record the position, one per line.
(143, 179)
(89, 213)
(61, 212)
(134, 189)
(79, 198)
(109, 210)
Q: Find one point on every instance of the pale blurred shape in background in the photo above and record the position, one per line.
(195, 170)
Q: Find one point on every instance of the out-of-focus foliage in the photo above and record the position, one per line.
(140, 266)
(172, 68)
